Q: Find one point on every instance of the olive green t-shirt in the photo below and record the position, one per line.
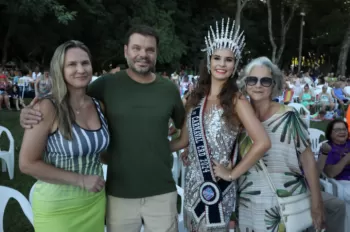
(140, 161)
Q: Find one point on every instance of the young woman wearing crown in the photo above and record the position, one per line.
(216, 111)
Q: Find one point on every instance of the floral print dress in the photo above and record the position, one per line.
(258, 206)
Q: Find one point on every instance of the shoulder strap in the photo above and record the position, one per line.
(99, 105)
(266, 173)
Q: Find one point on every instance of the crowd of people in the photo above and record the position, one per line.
(319, 94)
(122, 119)
(15, 85)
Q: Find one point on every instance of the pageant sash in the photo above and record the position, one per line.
(210, 192)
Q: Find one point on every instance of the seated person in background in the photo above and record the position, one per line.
(326, 99)
(287, 94)
(337, 150)
(43, 85)
(4, 86)
(16, 96)
(307, 98)
(335, 208)
(339, 93)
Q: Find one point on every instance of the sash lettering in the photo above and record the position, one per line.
(211, 190)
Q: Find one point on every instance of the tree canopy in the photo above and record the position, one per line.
(31, 30)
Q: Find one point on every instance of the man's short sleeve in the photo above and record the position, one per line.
(96, 88)
(179, 112)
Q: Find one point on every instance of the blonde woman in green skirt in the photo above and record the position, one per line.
(62, 149)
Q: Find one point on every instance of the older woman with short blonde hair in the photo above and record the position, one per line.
(288, 161)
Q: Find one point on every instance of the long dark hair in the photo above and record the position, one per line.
(227, 96)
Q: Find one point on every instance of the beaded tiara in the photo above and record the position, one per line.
(233, 40)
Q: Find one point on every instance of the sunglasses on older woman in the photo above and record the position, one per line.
(264, 81)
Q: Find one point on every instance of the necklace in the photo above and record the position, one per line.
(77, 111)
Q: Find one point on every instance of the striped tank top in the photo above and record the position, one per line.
(79, 155)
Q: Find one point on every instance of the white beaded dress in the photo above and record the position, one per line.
(220, 139)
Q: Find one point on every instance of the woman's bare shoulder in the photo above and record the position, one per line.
(46, 108)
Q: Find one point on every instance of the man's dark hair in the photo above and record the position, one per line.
(142, 30)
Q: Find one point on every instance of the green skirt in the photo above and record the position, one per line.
(63, 208)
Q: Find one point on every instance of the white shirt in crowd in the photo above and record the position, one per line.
(35, 76)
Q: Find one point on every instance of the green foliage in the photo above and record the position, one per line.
(37, 27)
(156, 15)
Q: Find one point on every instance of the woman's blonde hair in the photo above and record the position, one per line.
(60, 94)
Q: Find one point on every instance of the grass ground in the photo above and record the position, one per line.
(14, 219)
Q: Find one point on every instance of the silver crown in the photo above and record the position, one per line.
(233, 41)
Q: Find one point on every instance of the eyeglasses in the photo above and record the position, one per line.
(337, 130)
(264, 81)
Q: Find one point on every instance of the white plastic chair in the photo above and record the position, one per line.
(176, 167)
(315, 135)
(298, 107)
(319, 147)
(8, 157)
(6, 194)
(347, 89)
(327, 186)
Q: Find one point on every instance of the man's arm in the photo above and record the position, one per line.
(30, 116)
(179, 112)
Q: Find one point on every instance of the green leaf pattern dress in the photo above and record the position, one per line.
(258, 206)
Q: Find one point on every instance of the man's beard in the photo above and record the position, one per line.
(141, 71)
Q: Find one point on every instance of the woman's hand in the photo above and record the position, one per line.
(318, 215)
(92, 183)
(172, 130)
(220, 171)
(184, 157)
(325, 148)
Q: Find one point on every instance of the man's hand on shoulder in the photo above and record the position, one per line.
(29, 116)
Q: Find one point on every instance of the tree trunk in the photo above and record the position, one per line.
(4, 50)
(240, 5)
(272, 39)
(344, 51)
(10, 30)
(284, 31)
(238, 14)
